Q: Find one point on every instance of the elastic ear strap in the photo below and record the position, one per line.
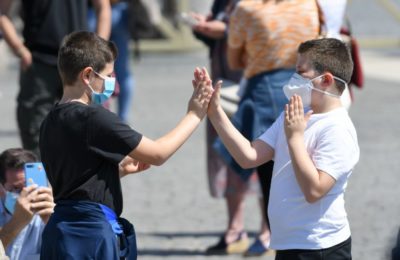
(326, 92)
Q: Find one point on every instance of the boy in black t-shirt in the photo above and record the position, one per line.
(85, 149)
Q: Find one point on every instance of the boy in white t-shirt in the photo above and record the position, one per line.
(314, 149)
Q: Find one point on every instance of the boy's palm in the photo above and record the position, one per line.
(295, 120)
(202, 93)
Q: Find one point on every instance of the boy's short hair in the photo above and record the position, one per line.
(14, 158)
(83, 49)
(329, 55)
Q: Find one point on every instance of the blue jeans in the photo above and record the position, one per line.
(261, 104)
(120, 35)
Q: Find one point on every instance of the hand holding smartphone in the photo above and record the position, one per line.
(188, 19)
(35, 174)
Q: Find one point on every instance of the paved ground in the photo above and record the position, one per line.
(170, 206)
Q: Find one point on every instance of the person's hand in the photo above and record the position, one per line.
(202, 93)
(25, 56)
(128, 165)
(214, 29)
(295, 120)
(42, 203)
(202, 77)
(22, 211)
(199, 17)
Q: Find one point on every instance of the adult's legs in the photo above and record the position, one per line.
(120, 36)
(40, 88)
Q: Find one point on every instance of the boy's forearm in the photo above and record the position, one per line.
(173, 140)
(238, 146)
(305, 171)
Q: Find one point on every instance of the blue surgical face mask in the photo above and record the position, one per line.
(10, 200)
(109, 86)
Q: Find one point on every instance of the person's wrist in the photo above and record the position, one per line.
(20, 51)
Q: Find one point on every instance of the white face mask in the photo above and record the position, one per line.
(303, 87)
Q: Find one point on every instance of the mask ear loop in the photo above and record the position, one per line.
(326, 92)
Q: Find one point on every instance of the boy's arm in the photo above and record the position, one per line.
(158, 151)
(313, 182)
(103, 14)
(247, 154)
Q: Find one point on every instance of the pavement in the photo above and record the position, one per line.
(173, 213)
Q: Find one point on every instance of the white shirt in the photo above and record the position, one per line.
(28, 242)
(331, 142)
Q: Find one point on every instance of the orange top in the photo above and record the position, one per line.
(271, 31)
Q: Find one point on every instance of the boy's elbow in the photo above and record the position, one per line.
(245, 164)
(159, 160)
(312, 197)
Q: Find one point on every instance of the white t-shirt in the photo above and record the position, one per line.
(331, 142)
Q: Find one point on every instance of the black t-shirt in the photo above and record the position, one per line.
(81, 146)
(46, 22)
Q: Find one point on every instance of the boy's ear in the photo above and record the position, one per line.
(327, 80)
(86, 75)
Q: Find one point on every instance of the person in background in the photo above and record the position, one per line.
(332, 15)
(24, 211)
(45, 25)
(263, 37)
(223, 181)
(86, 149)
(120, 35)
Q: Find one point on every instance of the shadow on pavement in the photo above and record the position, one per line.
(169, 252)
(190, 234)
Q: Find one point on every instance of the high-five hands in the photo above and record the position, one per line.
(203, 91)
(295, 120)
(202, 78)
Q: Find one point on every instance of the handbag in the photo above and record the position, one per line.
(230, 95)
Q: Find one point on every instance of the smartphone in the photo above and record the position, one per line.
(188, 19)
(35, 174)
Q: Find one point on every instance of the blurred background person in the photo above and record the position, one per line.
(223, 181)
(24, 211)
(263, 39)
(45, 25)
(120, 35)
(332, 15)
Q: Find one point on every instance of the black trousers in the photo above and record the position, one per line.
(40, 88)
(264, 173)
(340, 251)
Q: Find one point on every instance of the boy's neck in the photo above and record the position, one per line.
(74, 93)
(326, 105)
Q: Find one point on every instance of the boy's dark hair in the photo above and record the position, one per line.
(83, 49)
(14, 158)
(329, 55)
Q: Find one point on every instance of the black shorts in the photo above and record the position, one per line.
(340, 251)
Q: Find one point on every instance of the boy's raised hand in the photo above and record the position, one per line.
(202, 77)
(202, 93)
(295, 120)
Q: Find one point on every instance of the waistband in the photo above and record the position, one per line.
(88, 210)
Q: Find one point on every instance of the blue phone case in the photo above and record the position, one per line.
(35, 174)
